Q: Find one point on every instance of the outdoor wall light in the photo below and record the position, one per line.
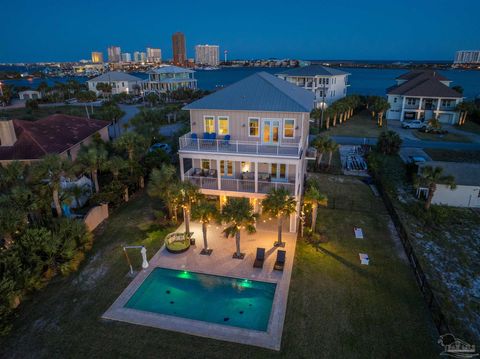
(244, 125)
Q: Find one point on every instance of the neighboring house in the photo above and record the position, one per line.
(248, 138)
(467, 179)
(328, 84)
(169, 78)
(423, 94)
(120, 82)
(31, 140)
(29, 95)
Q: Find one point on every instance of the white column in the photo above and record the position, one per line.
(438, 108)
(403, 109)
(419, 107)
(219, 178)
(256, 177)
(182, 172)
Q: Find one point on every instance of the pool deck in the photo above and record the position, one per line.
(220, 262)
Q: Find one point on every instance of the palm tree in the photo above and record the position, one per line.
(380, 106)
(92, 159)
(238, 214)
(463, 108)
(204, 212)
(389, 143)
(334, 109)
(187, 194)
(314, 198)
(429, 177)
(279, 203)
(133, 144)
(163, 184)
(104, 88)
(320, 144)
(331, 147)
(115, 164)
(316, 114)
(50, 170)
(328, 112)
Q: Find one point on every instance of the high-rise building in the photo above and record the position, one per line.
(126, 57)
(179, 49)
(154, 55)
(97, 57)
(139, 56)
(114, 54)
(207, 55)
(467, 57)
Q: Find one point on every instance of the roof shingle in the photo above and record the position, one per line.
(423, 83)
(258, 92)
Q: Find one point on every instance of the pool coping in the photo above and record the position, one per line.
(271, 339)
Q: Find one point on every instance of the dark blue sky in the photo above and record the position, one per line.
(53, 30)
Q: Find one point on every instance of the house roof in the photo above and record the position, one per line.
(313, 70)
(466, 174)
(414, 73)
(115, 76)
(258, 92)
(53, 134)
(423, 83)
(170, 69)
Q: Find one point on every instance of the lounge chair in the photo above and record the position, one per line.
(194, 139)
(226, 140)
(280, 262)
(260, 258)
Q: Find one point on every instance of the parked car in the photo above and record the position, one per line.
(161, 146)
(71, 101)
(414, 124)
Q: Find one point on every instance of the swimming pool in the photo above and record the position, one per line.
(222, 300)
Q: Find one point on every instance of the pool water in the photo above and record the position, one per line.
(222, 300)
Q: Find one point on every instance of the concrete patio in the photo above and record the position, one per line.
(220, 262)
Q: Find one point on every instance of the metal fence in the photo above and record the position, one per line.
(430, 299)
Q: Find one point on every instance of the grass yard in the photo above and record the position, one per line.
(453, 155)
(359, 125)
(336, 308)
(470, 126)
(449, 137)
(26, 114)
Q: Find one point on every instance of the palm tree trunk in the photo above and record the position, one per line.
(280, 225)
(186, 218)
(204, 230)
(56, 201)
(335, 120)
(237, 243)
(95, 181)
(431, 192)
(327, 122)
(319, 159)
(330, 158)
(314, 217)
(380, 119)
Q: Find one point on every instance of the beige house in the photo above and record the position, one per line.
(29, 141)
(248, 138)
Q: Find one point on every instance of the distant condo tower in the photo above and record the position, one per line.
(97, 57)
(467, 57)
(154, 55)
(126, 57)
(114, 54)
(207, 55)
(179, 49)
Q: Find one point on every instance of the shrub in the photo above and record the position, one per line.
(389, 143)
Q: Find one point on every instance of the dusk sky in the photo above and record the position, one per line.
(54, 30)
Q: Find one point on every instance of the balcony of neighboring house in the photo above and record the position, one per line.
(224, 177)
(209, 143)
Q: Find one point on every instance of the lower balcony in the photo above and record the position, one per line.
(208, 179)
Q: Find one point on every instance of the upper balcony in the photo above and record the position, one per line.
(191, 143)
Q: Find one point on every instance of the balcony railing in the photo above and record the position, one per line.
(187, 143)
(238, 185)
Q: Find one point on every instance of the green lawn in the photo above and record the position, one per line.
(453, 155)
(336, 308)
(449, 137)
(25, 114)
(359, 125)
(470, 126)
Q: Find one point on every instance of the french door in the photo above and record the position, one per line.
(270, 132)
(227, 168)
(278, 172)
